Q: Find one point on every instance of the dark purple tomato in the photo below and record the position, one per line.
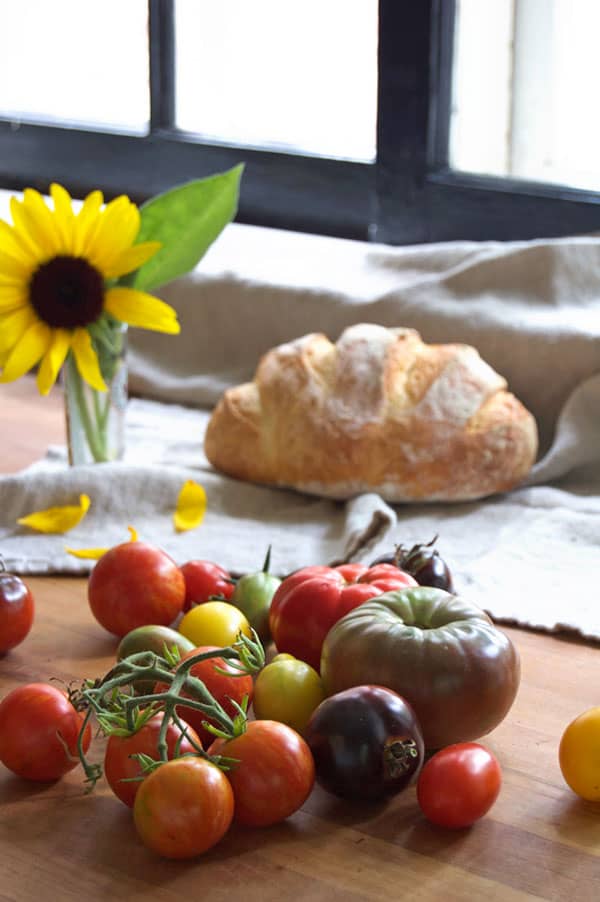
(423, 562)
(366, 742)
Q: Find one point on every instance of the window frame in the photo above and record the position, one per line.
(408, 195)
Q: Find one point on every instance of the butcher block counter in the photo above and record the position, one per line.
(60, 843)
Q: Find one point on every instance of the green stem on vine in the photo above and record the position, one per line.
(121, 713)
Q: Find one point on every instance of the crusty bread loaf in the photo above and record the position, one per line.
(379, 411)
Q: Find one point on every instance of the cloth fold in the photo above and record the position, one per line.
(530, 308)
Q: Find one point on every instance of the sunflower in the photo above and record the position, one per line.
(58, 280)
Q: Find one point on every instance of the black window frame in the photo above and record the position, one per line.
(408, 195)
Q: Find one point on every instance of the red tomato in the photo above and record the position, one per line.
(309, 602)
(351, 572)
(397, 579)
(135, 584)
(223, 688)
(183, 808)
(16, 610)
(459, 784)
(275, 773)
(38, 732)
(120, 767)
(204, 580)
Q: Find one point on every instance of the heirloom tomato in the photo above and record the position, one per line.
(366, 742)
(423, 562)
(458, 785)
(183, 808)
(308, 603)
(253, 595)
(579, 755)
(152, 638)
(120, 767)
(287, 690)
(225, 688)
(214, 623)
(16, 610)
(439, 652)
(134, 584)
(205, 580)
(39, 728)
(274, 774)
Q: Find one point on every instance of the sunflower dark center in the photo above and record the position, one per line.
(67, 292)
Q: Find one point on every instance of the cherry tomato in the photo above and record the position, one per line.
(287, 690)
(119, 765)
(579, 755)
(459, 784)
(274, 775)
(183, 808)
(135, 584)
(214, 623)
(205, 580)
(38, 732)
(16, 610)
(225, 689)
(310, 601)
(366, 742)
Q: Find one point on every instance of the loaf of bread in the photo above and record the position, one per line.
(379, 411)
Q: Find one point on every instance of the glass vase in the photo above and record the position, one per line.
(95, 419)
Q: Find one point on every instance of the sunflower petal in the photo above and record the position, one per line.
(93, 554)
(86, 223)
(53, 360)
(13, 325)
(116, 230)
(30, 348)
(87, 359)
(64, 217)
(39, 222)
(13, 246)
(131, 259)
(140, 309)
(15, 269)
(57, 519)
(191, 506)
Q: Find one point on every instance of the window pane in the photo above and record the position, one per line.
(524, 90)
(294, 77)
(82, 64)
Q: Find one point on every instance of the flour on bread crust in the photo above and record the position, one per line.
(379, 411)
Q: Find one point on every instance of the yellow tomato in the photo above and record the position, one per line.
(287, 690)
(214, 623)
(579, 755)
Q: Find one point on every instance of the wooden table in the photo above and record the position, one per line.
(59, 844)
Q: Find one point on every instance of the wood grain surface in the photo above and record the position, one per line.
(58, 843)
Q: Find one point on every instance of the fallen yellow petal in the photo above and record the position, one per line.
(191, 506)
(57, 519)
(92, 554)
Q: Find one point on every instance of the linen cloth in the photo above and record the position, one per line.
(532, 309)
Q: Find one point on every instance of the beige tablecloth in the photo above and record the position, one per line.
(531, 308)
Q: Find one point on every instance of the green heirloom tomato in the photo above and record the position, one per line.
(441, 653)
(152, 638)
(253, 594)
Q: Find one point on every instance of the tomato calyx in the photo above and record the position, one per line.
(399, 757)
(119, 711)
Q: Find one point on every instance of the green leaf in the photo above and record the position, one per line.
(186, 220)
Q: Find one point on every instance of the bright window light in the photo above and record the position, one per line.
(71, 63)
(525, 90)
(296, 77)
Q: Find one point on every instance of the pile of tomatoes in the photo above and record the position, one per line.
(362, 741)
